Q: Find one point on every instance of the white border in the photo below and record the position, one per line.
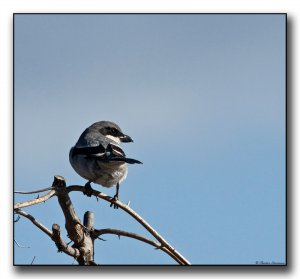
(7, 8)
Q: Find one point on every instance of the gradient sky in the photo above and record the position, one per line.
(203, 97)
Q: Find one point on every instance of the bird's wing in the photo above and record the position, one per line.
(115, 153)
(91, 143)
(98, 150)
(96, 146)
(112, 153)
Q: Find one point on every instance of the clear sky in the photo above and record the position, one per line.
(203, 97)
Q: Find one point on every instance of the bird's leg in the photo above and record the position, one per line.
(88, 190)
(115, 198)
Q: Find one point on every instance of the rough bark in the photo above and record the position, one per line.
(78, 233)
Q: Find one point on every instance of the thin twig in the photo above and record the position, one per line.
(32, 260)
(97, 233)
(157, 245)
(33, 192)
(55, 236)
(19, 245)
(34, 221)
(17, 219)
(35, 201)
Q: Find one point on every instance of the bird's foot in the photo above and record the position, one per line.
(113, 202)
(88, 190)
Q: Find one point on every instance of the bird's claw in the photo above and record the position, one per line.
(88, 190)
(113, 202)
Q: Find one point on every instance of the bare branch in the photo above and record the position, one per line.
(73, 224)
(35, 201)
(96, 233)
(76, 230)
(79, 233)
(88, 220)
(56, 237)
(61, 244)
(34, 221)
(136, 216)
(33, 192)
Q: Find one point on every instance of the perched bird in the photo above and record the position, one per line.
(98, 157)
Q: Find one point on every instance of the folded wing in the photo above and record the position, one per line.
(112, 153)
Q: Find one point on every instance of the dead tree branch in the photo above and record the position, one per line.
(34, 221)
(34, 192)
(61, 244)
(136, 216)
(96, 233)
(83, 235)
(35, 201)
(54, 235)
(76, 231)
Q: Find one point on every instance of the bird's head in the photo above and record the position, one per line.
(112, 131)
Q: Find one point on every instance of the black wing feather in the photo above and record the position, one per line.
(89, 150)
(110, 153)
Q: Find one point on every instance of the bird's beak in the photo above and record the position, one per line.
(126, 138)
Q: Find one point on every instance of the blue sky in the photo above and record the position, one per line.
(203, 97)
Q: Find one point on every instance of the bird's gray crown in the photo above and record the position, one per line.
(107, 128)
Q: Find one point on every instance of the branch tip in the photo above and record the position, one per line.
(59, 182)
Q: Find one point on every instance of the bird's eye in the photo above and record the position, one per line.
(113, 131)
